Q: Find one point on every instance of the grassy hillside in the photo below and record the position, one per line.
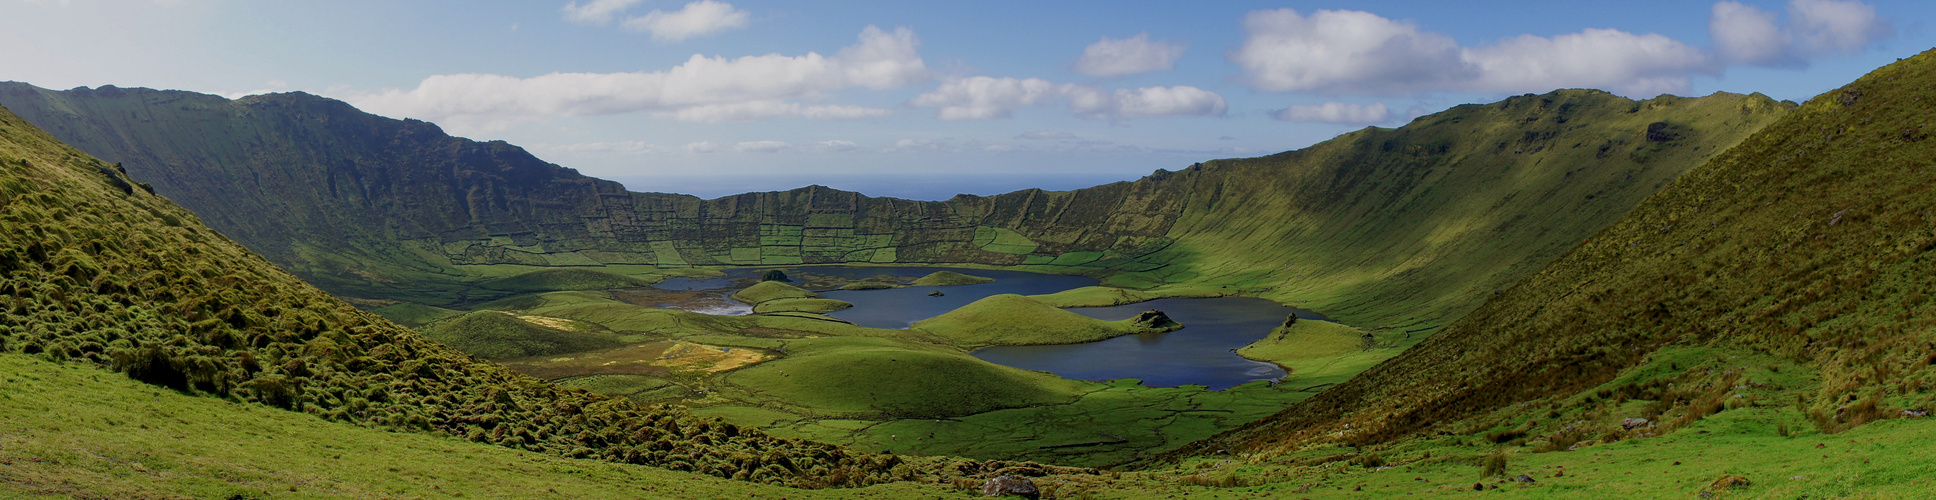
(85, 433)
(1387, 229)
(1795, 266)
(96, 270)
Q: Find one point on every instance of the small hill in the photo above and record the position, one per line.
(1009, 319)
(499, 335)
(766, 291)
(880, 378)
(949, 278)
(1809, 244)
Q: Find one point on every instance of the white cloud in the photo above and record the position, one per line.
(697, 18)
(1046, 135)
(1828, 26)
(701, 147)
(1335, 112)
(984, 98)
(1151, 101)
(1129, 56)
(1816, 28)
(771, 110)
(1612, 60)
(762, 146)
(619, 147)
(701, 89)
(1338, 51)
(1744, 33)
(596, 11)
(835, 146)
(1354, 52)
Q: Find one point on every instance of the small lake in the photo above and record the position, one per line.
(1199, 354)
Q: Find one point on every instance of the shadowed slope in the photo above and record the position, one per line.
(1811, 241)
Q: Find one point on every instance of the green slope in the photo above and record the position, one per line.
(84, 433)
(1808, 248)
(1382, 228)
(95, 270)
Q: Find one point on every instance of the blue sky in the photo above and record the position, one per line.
(927, 99)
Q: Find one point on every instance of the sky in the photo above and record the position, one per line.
(927, 99)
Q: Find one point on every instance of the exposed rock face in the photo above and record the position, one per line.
(1157, 321)
(1290, 320)
(1010, 485)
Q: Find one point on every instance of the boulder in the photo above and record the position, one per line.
(1634, 423)
(1010, 485)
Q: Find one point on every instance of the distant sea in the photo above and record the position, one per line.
(926, 188)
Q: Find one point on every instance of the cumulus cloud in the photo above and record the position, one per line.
(1354, 52)
(762, 146)
(1339, 51)
(701, 147)
(1045, 135)
(698, 18)
(597, 11)
(1613, 60)
(1747, 34)
(701, 89)
(1335, 112)
(835, 146)
(1129, 56)
(771, 110)
(1815, 28)
(984, 98)
(618, 147)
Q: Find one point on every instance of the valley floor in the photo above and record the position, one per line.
(75, 430)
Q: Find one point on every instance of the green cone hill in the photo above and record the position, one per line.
(1381, 228)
